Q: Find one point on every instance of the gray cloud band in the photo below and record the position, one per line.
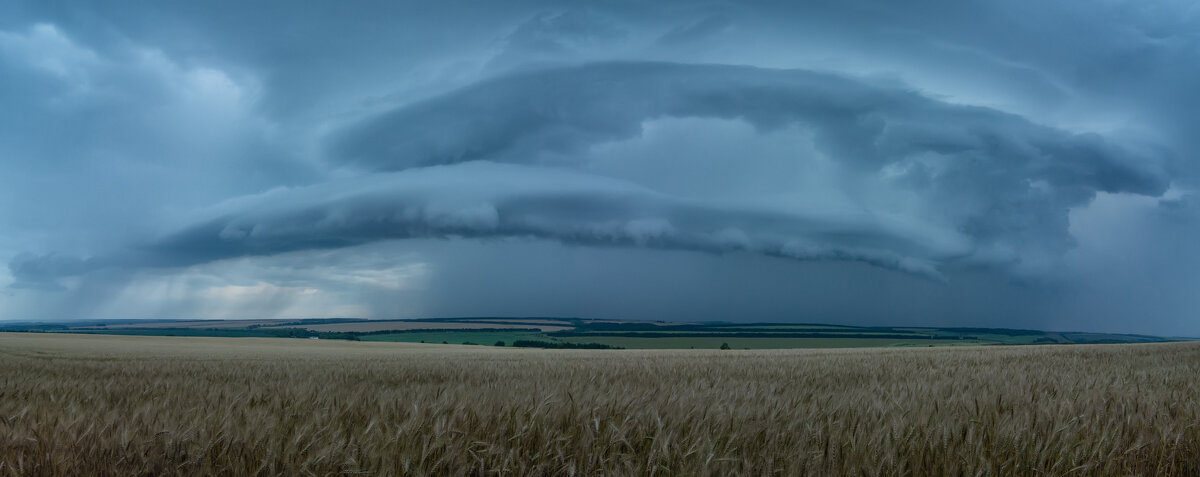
(484, 200)
(1000, 181)
(565, 110)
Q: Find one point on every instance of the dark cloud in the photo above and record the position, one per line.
(44, 271)
(481, 200)
(1012, 181)
(516, 118)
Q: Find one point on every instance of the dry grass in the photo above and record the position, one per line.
(115, 405)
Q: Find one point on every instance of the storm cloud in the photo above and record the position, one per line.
(517, 118)
(481, 200)
(976, 168)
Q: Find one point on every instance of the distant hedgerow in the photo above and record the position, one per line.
(557, 345)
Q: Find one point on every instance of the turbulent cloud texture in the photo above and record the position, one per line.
(943, 166)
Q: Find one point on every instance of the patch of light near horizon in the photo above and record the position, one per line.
(318, 284)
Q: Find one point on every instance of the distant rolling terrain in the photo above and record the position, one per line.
(408, 325)
(552, 332)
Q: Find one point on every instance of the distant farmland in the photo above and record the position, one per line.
(400, 325)
(132, 405)
(761, 343)
(202, 324)
(576, 332)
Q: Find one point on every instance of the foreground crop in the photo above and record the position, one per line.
(109, 405)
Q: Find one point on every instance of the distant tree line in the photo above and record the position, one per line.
(449, 330)
(307, 322)
(557, 345)
(724, 334)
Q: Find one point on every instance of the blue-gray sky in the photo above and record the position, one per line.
(968, 163)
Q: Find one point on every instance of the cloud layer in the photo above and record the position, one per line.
(985, 150)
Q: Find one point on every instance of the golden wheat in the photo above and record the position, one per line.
(108, 405)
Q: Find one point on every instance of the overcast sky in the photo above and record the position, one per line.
(942, 163)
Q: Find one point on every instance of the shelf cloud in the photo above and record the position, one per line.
(976, 170)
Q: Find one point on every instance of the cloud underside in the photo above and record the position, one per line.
(507, 157)
(566, 110)
(488, 200)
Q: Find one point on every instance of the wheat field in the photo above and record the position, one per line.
(113, 405)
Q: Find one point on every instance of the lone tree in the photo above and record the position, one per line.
(725, 346)
(499, 343)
